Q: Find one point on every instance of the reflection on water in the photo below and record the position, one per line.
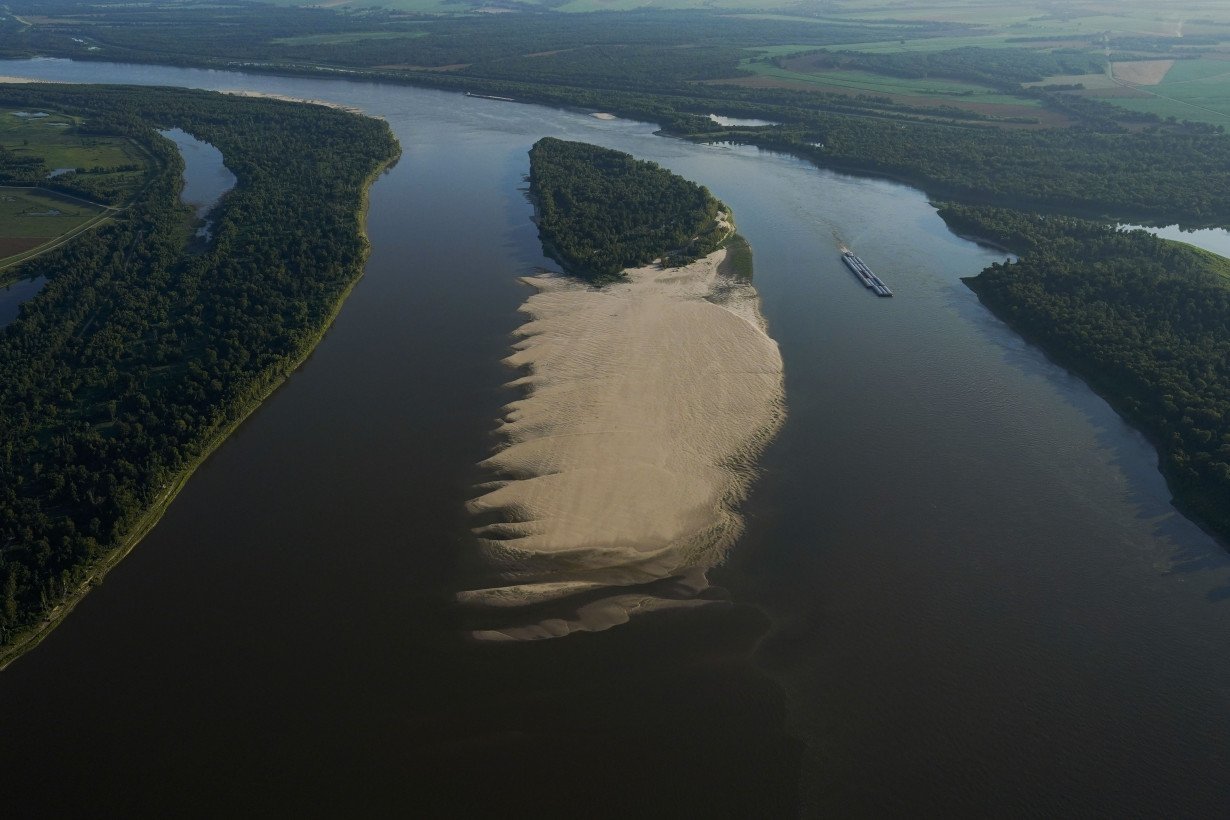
(739, 121)
(1216, 240)
(13, 294)
(206, 177)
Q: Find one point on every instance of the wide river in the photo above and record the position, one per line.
(962, 589)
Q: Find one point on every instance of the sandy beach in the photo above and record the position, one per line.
(27, 80)
(286, 98)
(645, 403)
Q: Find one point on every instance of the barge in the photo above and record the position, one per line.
(859, 268)
(489, 97)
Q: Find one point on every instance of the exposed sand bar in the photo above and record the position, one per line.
(646, 403)
(28, 80)
(268, 95)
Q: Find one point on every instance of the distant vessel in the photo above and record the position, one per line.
(490, 97)
(864, 274)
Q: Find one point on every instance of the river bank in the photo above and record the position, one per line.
(30, 638)
(1200, 505)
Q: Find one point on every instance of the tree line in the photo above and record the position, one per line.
(1004, 68)
(1144, 320)
(600, 211)
(667, 67)
(139, 353)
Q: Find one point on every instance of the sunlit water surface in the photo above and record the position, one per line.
(206, 177)
(1216, 240)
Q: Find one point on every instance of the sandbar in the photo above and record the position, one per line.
(269, 95)
(28, 80)
(645, 403)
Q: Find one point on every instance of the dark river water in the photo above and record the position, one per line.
(14, 293)
(962, 588)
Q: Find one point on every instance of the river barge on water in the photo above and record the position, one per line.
(489, 97)
(864, 274)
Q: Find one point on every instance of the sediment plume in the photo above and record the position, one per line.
(614, 489)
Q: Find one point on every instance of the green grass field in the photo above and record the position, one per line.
(31, 218)
(54, 140)
(1212, 107)
(864, 82)
(1216, 264)
(1027, 16)
(1197, 71)
(1196, 90)
(1045, 16)
(35, 213)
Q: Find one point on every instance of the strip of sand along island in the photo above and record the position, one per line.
(646, 401)
(269, 95)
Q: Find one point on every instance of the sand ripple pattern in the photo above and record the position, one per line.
(645, 403)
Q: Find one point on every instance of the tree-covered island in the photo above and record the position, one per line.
(144, 350)
(601, 211)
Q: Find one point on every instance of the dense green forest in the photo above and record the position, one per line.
(1144, 320)
(1176, 174)
(141, 352)
(675, 68)
(600, 211)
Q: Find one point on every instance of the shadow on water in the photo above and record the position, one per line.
(1142, 484)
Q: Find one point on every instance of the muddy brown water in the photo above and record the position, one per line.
(962, 587)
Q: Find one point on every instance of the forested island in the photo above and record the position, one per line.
(646, 391)
(601, 211)
(144, 351)
(1144, 320)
